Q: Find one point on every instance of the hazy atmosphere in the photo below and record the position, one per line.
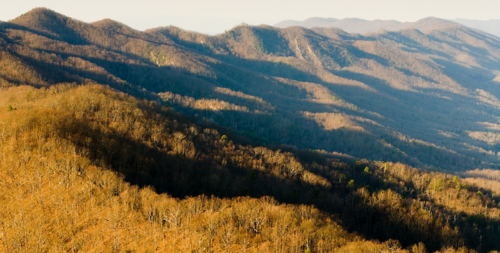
(216, 16)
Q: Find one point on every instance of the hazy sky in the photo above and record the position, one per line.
(215, 16)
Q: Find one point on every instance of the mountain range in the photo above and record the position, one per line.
(356, 25)
(426, 97)
(489, 26)
(258, 139)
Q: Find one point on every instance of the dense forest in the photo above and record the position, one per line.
(98, 169)
(256, 140)
(427, 99)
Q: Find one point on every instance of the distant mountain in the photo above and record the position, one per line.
(489, 26)
(356, 25)
(411, 96)
(308, 23)
(288, 23)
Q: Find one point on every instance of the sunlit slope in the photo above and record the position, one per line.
(429, 99)
(67, 155)
(96, 169)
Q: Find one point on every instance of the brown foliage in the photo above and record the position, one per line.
(69, 155)
(57, 195)
(319, 89)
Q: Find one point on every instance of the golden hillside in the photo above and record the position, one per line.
(63, 184)
(86, 168)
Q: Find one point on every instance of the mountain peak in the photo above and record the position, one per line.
(430, 18)
(287, 23)
(49, 23)
(37, 15)
(431, 23)
(321, 19)
(112, 25)
(41, 10)
(433, 20)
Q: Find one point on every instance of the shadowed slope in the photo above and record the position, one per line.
(92, 147)
(403, 96)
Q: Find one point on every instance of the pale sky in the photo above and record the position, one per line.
(215, 16)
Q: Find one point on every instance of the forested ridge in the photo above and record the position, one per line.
(68, 151)
(96, 155)
(428, 99)
(97, 169)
